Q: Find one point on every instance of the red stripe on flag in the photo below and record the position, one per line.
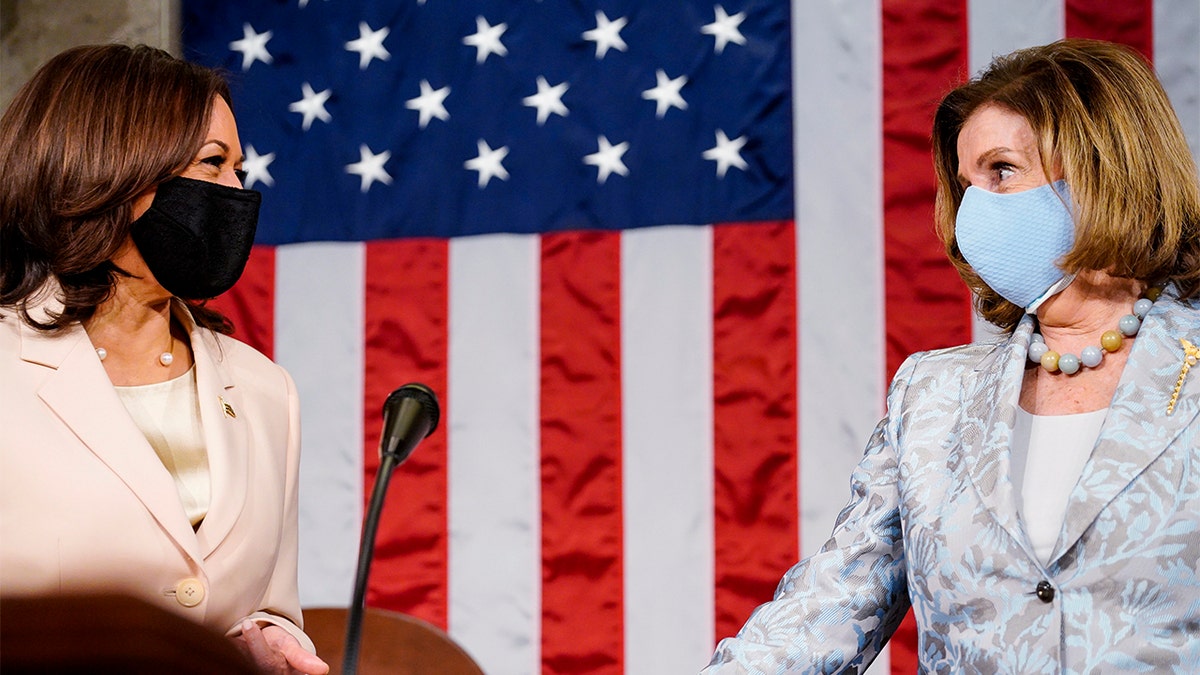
(582, 572)
(1129, 21)
(250, 304)
(924, 56)
(927, 305)
(754, 416)
(406, 313)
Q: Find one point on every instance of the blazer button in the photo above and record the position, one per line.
(1045, 591)
(189, 592)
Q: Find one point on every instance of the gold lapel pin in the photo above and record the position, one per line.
(1191, 355)
(229, 409)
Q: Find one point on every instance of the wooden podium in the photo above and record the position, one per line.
(56, 635)
(392, 643)
(108, 634)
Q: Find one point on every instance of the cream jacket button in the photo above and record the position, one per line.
(189, 592)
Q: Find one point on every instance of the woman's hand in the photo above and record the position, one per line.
(274, 650)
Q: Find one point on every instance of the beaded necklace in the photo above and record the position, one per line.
(1092, 356)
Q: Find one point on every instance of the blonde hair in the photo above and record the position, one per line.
(1100, 114)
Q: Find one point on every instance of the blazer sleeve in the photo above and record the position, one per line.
(281, 601)
(834, 611)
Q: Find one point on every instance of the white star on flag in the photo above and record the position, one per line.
(312, 106)
(607, 34)
(429, 103)
(547, 100)
(253, 46)
(256, 168)
(488, 163)
(369, 45)
(608, 159)
(486, 39)
(369, 167)
(666, 93)
(726, 153)
(725, 28)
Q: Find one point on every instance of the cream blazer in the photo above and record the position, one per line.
(87, 506)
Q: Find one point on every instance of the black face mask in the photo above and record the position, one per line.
(196, 236)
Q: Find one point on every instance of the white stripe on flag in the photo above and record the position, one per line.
(319, 322)
(836, 51)
(996, 27)
(494, 480)
(839, 237)
(667, 442)
(1177, 60)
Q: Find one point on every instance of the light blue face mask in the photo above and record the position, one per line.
(1014, 240)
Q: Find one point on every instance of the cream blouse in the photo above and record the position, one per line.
(168, 414)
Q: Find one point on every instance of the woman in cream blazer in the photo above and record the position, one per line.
(142, 450)
(87, 506)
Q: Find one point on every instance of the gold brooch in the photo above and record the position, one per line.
(1191, 355)
(229, 409)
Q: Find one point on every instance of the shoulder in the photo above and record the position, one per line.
(1183, 311)
(250, 381)
(941, 381)
(235, 352)
(22, 343)
(245, 363)
(950, 363)
(226, 351)
(234, 363)
(1171, 320)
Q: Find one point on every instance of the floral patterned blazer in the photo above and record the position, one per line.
(933, 523)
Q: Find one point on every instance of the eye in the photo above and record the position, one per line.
(241, 175)
(1004, 171)
(214, 160)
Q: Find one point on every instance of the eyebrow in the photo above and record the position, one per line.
(986, 157)
(223, 145)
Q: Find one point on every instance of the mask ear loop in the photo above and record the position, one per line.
(1054, 290)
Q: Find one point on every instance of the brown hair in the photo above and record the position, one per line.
(94, 128)
(1099, 113)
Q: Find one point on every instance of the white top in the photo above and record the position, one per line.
(1048, 454)
(168, 413)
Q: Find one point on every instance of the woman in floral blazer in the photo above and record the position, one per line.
(1034, 500)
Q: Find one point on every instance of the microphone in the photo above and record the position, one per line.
(410, 414)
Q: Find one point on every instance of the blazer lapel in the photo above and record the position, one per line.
(990, 403)
(81, 394)
(1137, 428)
(224, 435)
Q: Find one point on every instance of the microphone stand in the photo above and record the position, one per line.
(366, 550)
(409, 414)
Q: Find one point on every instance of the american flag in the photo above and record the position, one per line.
(658, 259)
